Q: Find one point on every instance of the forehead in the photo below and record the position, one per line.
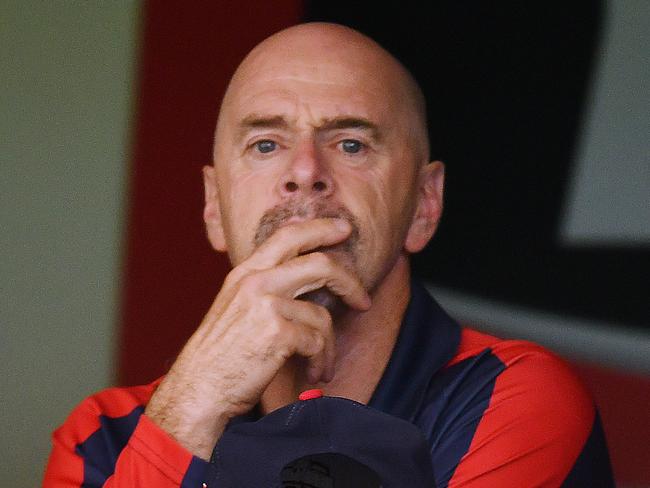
(316, 88)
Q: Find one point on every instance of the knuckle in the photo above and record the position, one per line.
(251, 282)
(318, 343)
(321, 315)
(275, 328)
(326, 318)
(284, 342)
(235, 275)
(268, 303)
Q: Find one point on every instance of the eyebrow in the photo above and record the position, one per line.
(350, 123)
(255, 121)
(259, 121)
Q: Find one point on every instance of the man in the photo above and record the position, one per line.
(320, 190)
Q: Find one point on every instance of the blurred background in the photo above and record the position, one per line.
(540, 111)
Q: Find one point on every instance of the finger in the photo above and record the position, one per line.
(310, 344)
(311, 272)
(305, 314)
(295, 239)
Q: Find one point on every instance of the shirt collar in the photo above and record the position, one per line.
(427, 340)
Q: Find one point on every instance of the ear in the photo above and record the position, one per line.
(212, 210)
(428, 211)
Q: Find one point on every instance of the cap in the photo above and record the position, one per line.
(323, 442)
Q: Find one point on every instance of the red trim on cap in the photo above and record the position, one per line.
(310, 394)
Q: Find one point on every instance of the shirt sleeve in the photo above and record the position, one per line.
(516, 415)
(109, 442)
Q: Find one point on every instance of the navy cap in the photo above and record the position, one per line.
(323, 442)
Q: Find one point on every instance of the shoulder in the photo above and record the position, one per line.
(527, 381)
(518, 367)
(506, 407)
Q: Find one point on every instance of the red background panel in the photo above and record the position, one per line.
(171, 274)
(623, 401)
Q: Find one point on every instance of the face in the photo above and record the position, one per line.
(308, 135)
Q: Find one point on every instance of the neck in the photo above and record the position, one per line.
(364, 344)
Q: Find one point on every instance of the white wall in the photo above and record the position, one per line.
(66, 95)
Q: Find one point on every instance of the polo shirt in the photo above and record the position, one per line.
(495, 413)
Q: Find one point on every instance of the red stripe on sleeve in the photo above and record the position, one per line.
(536, 424)
(65, 468)
(152, 458)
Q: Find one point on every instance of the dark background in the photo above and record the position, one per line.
(506, 84)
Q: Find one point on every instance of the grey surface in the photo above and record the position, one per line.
(571, 337)
(65, 93)
(609, 197)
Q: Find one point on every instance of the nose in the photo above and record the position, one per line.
(307, 174)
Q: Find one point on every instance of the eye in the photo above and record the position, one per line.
(265, 146)
(351, 146)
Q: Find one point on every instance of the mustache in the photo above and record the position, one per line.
(276, 216)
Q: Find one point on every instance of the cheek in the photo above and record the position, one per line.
(381, 206)
(394, 193)
(246, 202)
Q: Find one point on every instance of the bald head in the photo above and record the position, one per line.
(330, 53)
(320, 121)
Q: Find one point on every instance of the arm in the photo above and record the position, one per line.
(108, 442)
(253, 327)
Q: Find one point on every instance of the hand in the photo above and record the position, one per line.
(254, 325)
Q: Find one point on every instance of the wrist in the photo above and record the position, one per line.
(196, 433)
